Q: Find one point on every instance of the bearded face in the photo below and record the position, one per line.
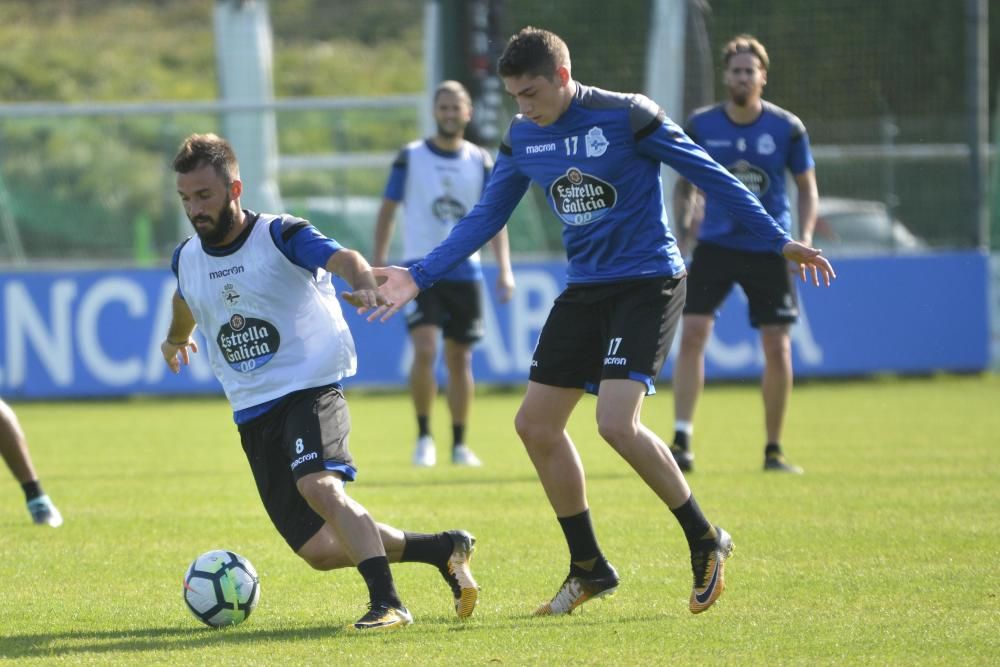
(744, 79)
(451, 114)
(210, 203)
(213, 230)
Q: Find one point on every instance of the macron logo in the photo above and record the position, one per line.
(231, 271)
(540, 148)
(302, 459)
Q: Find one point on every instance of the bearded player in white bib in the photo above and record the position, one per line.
(259, 286)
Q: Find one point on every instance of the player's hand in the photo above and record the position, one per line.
(365, 298)
(176, 353)
(505, 287)
(396, 287)
(809, 260)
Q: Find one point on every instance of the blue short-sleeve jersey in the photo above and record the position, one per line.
(758, 154)
(599, 166)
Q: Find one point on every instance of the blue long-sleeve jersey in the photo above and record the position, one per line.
(599, 165)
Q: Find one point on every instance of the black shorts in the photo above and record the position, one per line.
(454, 306)
(305, 433)
(764, 277)
(614, 331)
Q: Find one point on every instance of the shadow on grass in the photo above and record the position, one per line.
(476, 481)
(151, 639)
(140, 640)
(469, 479)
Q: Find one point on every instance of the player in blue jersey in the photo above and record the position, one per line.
(14, 450)
(757, 141)
(437, 180)
(259, 286)
(597, 156)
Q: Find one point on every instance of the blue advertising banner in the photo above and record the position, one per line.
(97, 333)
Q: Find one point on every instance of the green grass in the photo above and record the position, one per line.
(881, 553)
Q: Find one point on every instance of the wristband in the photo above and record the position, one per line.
(184, 342)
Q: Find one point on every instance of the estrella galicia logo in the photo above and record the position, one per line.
(247, 343)
(753, 177)
(447, 209)
(581, 199)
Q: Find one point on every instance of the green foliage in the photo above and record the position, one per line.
(875, 555)
(370, 23)
(608, 53)
(846, 68)
(77, 186)
(65, 51)
(344, 67)
(859, 59)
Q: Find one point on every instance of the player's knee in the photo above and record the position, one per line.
(319, 487)
(317, 561)
(425, 343)
(694, 337)
(532, 430)
(776, 345)
(458, 357)
(424, 354)
(323, 556)
(615, 430)
(523, 425)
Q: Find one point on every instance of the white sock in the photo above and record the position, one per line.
(684, 427)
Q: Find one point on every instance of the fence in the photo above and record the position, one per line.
(886, 113)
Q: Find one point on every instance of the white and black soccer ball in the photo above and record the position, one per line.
(221, 588)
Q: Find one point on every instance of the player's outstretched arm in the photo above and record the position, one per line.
(352, 267)
(809, 260)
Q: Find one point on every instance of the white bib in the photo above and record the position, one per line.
(271, 327)
(439, 191)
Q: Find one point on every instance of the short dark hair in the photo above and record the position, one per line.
(455, 88)
(745, 44)
(534, 52)
(201, 149)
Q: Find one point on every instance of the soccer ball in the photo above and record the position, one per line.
(221, 588)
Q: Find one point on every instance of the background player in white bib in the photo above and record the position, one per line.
(259, 287)
(438, 180)
(14, 449)
(758, 142)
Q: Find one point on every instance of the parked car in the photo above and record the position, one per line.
(849, 226)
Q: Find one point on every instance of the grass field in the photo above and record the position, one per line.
(881, 553)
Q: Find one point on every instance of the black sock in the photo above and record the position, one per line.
(32, 490)
(696, 527)
(584, 554)
(430, 548)
(377, 575)
(773, 449)
(457, 435)
(682, 440)
(423, 425)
